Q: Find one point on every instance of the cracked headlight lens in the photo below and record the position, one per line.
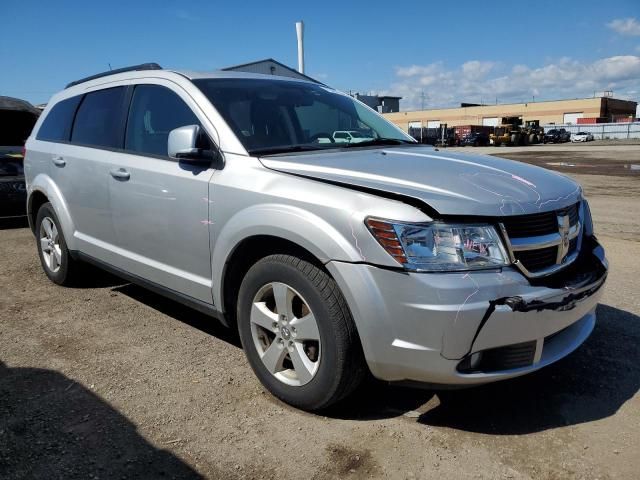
(440, 247)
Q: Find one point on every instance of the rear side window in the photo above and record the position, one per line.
(99, 119)
(154, 112)
(56, 127)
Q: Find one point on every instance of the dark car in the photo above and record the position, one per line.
(557, 135)
(17, 118)
(476, 139)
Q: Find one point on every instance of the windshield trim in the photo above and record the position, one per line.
(334, 149)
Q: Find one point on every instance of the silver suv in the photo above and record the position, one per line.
(228, 192)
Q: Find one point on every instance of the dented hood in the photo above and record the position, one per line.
(451, 183)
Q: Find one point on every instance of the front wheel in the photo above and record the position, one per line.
(298, 334)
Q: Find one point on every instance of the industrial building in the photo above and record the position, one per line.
(380, 103)
(597, 109)
(269, 66)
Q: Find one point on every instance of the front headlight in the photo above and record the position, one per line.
(438, 247)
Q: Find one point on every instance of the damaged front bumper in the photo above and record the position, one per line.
(472, 327)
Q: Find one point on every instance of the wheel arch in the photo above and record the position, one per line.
(36, 200)
(243, 256)
(42, 190)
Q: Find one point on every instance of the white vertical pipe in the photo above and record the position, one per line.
(300, 33)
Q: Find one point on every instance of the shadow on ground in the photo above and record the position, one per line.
(52, 427)
(189, 316)
(93, 277)
(591, 384)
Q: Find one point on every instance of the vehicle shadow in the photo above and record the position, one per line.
(201, 321)
(591, 384)
(13, 223)
(53, 427)
(94, 277)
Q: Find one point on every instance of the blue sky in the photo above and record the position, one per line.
(451, 51)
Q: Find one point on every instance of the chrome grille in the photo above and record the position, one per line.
(538, 223)
(531, 225)
(542, 243)
(535, 260)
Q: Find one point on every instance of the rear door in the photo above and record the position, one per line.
(80, 167)
(160, 206)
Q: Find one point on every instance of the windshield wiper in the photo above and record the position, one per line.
(379, 141)
(285, 149)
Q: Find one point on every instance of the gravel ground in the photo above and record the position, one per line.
(111, 381)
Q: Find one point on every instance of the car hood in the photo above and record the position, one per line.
(452, 183)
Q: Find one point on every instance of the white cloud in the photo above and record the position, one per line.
(625, 26)
(482, 81)
(476, 69)
(414, 70)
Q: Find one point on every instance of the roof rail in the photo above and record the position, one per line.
(142, 66)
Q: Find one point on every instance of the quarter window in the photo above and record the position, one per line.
(154, 112)
(99, 120)
(56, 127)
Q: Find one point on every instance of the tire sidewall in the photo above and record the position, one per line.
(46, 210)
(324, 383)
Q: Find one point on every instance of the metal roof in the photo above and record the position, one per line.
(280, 64)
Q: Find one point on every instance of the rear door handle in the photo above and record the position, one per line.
(58, 161)
(120, 174)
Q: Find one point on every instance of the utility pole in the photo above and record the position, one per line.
(422, 97)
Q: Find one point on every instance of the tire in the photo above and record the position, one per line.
(54, 255)
(338, 365)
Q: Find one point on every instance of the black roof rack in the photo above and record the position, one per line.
(142, 66)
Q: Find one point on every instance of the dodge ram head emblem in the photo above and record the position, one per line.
(564, 227)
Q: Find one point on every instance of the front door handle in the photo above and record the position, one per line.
(58, 161)
(120, 174)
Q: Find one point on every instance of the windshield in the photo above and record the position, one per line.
(271, 116)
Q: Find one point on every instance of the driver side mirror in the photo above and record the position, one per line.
(184, 143)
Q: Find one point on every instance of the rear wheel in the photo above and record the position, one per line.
(52, 247)
(298, 334)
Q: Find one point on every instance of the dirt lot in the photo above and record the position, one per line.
(111, 381)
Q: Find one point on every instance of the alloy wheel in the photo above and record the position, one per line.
(285, 334)
(49, 244)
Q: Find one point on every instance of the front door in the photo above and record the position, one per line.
(160, 206)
